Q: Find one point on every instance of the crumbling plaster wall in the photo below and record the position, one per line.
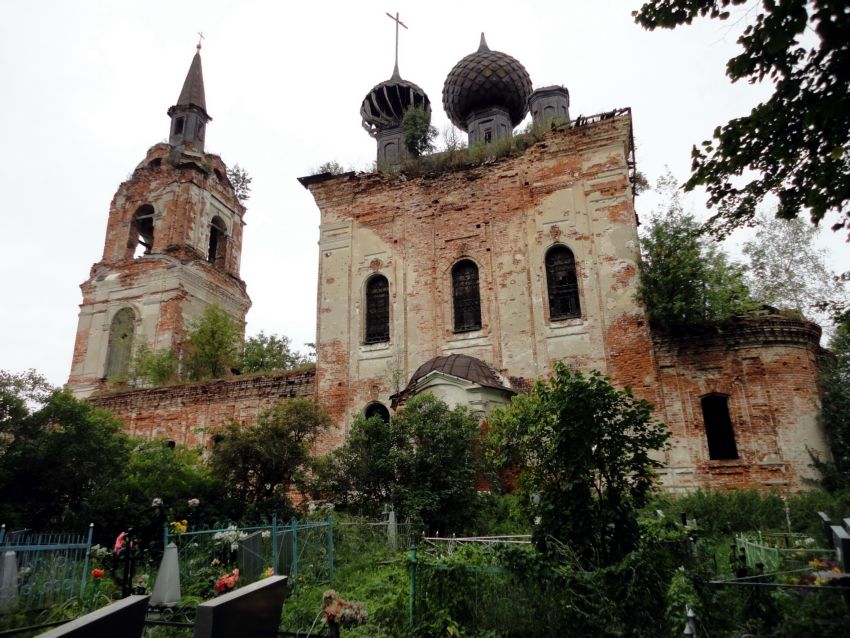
(572, 188)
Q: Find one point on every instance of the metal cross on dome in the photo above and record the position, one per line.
(398, 22)
(200, 39)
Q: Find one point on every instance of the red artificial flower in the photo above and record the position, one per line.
(97, 574)
(119, 542)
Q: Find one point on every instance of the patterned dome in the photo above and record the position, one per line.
(483, 80)
(384, 106)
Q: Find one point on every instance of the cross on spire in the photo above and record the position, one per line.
(398, 23)
(200, 38)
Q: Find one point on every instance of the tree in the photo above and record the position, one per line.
(333, 167)
(56, 459)
(259, 463)
(422, 463)
(786, 270)
(269, 353)
(836, 409)
(212, 345)
(686, 281)
(241, 182)
(154, 367)
(797, 142)
(582, 449)
(419, 135)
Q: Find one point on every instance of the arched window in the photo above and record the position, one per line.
(140, 241)
(217, 253)
(466, 299)
(562, 283)
(377, 310)
(718, 427)
(120, 346)
(377, 409)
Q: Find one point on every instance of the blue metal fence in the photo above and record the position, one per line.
(51, 568)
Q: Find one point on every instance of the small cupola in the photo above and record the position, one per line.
(486, 94)
(383, 108)
(189, 116)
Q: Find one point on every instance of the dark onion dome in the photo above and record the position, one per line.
(461, 366)
(486, 79)
(384, 106)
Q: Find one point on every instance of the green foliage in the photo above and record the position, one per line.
(419, 135)
(685, 280)
(258, 463)
(422, 462)
(213, 344)
(56, 459)
(582, 448)
(269, 353)
(241, 182)
(333, 167)
(154, 367)
(836, 409)
(788, 271)
(796, 144)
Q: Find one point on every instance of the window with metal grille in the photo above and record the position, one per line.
(718, 427)
(465, 296)
(377, 310)
(562, 283)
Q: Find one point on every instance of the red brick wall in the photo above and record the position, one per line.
(190, 414)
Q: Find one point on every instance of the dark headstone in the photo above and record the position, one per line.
(125, 618)
(841, 539)
(250, 556)
(252, 611)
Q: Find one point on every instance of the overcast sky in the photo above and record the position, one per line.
(85, 85)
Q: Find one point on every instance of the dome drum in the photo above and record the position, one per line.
(550, 104)
(489, 125)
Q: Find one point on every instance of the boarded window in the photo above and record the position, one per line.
(466, 298)
(140, 241)
(120, 345)
(217, 253)
(562, 283)
(718, 427)
(377, 310)
(379, 410)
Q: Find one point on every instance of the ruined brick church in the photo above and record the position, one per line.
(465, 282)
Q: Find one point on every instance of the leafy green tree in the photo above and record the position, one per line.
(260, 462)
(241, 182)
(56, 459)
(422, 462)
(213, 344)
(154, 367)
(836, 410)
(269, 353)
(685, 280)
(797, 143)
(333, 167)
(419, 135)
(788, 271)
(583, 451)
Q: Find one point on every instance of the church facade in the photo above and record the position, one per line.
(466, 280)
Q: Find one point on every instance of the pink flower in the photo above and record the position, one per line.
(193, 502)
(119, 542)
(227, 582)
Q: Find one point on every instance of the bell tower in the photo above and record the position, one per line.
(173, 247)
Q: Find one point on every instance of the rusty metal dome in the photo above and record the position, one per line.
(486, 79)
(384, 106)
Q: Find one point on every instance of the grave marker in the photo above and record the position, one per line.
(125, 618)
(252, 611)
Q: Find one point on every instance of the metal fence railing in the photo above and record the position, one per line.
(50, 568)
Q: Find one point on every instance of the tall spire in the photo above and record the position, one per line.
(189, 116)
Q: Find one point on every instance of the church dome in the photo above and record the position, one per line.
(486, 79)
(384, 106)
(461, 366)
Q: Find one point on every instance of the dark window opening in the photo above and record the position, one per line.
(141, 232)
(178, 126)
(217, 252)
(377, 310)
(120, 345)
(488, 136)
(155, 163)
(200, 130)
(718, 427)
(379, 410)
(562, 283)
(466, 298)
